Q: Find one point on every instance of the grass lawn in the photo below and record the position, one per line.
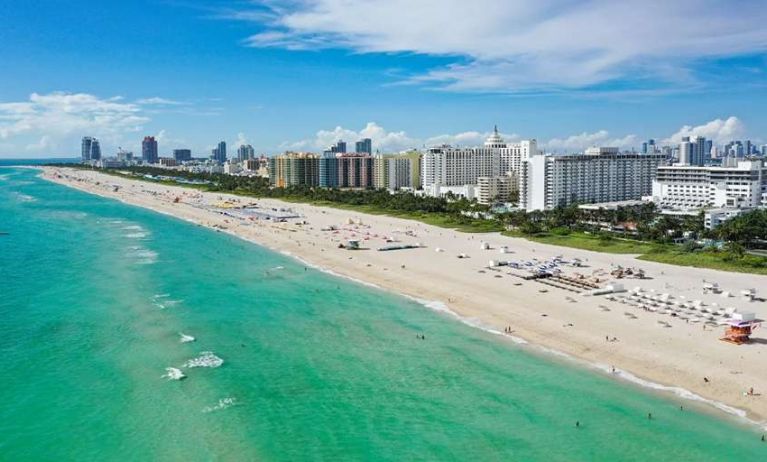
(466, 225)
(709, 259)
(589, 242)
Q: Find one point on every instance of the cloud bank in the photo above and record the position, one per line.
(518, 45)
(719, 130)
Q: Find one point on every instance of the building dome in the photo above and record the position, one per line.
(495, 139)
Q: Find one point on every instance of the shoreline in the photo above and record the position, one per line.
(730, 412)
(664, 374)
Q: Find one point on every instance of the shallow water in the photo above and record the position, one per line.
(314, 367)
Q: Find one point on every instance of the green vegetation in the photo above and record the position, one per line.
(639, 230)
(718, 260)
(595, 242)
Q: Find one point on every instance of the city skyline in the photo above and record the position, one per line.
(273, 77)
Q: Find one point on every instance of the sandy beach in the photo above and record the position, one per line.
(653, 346)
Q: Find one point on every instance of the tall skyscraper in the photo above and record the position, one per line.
(90, 149)
(364, 145)
(685, 152)
(694, 151)
(339, 147)
(245, 152)
(699, 154)
(219, 152)
(149, 150)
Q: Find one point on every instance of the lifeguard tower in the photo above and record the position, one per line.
(740, 327)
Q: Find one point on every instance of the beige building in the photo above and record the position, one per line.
(492, 189)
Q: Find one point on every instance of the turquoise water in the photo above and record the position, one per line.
(94, 293)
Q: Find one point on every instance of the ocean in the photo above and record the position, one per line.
(94, 297)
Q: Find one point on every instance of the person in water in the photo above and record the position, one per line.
(578, 424)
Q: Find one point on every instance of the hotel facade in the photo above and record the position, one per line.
(599, 175)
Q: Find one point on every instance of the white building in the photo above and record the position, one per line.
(469, 191)
(457, 166)
(688, 187)
(715, 217)
(600, 175)
(449, 166)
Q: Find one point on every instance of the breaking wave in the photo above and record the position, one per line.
(206, 359)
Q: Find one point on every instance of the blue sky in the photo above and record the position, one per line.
(297, 74)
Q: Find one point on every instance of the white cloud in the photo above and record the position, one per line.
(158, 101)
(718, 130)
(63, 113)
(42, 144)
(470, 138)
(383, 140)
(48, 121)
(518, 45)
(581, 141)
(241, 140)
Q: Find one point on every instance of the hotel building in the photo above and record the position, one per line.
(687, 187)
(352, 170)
(294, 169)
(447, 166)
(599, 175)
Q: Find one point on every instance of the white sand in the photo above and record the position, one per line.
(677, 356)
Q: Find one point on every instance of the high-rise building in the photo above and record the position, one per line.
(90, 149)
(648, 147)
(245, 152)
(294, 169)
(328, 166)
(685, 152)
(219, 152)
(182, 155)
(599, 175)
(339, 147)
(700, 156)
(345, 170)
(764, 150)
(364, 145)
(452, 166)
(149, 150)
(491, 189)
(398, 171)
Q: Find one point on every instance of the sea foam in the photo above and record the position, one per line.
(206, 359)
(223, 403)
